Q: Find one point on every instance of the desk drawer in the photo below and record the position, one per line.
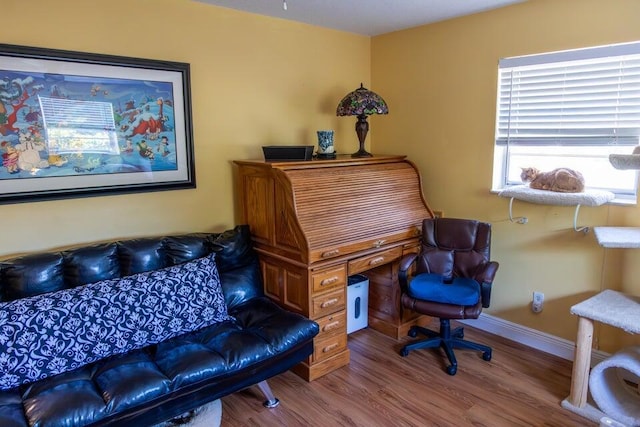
(368, 262)
(330, 278)
(328, 303)
(326, 347)
(333, 324)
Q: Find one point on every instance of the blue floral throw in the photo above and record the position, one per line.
(48, 334)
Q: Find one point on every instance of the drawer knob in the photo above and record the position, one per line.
(330, 326)
(330, 347)
(329, 281)
(376, 261)
(330, 253)
(329, 303)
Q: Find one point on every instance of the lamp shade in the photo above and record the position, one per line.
(362, 103)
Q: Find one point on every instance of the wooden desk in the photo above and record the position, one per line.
(314, 223)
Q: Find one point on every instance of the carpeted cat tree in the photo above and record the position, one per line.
(613, 384)
(626, 161)
(612, 393)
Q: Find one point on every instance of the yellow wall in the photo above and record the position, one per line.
(255, 81)
(263, 81)
(440, 83)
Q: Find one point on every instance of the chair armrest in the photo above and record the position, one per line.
(486, 272)
(485, 275)
(405, 263)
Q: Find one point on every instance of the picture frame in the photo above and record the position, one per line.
(78, 124)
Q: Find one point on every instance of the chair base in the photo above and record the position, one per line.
(446, 339)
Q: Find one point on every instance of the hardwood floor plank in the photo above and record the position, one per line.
(518, 387)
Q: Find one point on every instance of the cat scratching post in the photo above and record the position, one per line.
(618, 310)
(610, 390)
(544, 197)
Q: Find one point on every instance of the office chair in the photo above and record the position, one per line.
(451, 279)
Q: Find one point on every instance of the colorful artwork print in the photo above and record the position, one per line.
(58, 125)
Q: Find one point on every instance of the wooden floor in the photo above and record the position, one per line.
(518, 387)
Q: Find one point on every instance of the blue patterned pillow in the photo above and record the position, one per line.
(48, 334)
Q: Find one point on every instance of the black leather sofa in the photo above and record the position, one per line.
(159, 382)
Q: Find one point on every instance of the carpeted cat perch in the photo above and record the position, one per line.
(625, 161)
(618, 237)
(610, 389)
(544, 197)
(613, 383)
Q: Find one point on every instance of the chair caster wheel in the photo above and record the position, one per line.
(451, 370)
(486, 356)
(412, 333)
(404, 352)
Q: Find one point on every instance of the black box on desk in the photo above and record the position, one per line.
(287, 152)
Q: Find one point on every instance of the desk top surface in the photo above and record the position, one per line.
(612, 308)
(339, 160)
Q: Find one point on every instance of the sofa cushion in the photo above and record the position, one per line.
(187, 247)
(234, 248)
(90, 264)
(144, 381)
(261, 330)
(434, 287)
(33, 274)
(48, 334)
(140, 255)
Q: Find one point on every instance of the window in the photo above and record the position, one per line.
(79, 127)
(569, 109)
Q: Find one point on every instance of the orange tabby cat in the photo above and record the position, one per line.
(562, 180)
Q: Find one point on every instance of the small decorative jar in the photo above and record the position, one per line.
(325, 144)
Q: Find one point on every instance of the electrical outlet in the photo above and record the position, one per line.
(538, 302)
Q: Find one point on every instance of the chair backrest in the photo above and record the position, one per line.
(453, 247)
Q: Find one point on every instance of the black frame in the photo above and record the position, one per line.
(119, 73)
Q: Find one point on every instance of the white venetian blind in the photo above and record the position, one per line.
(579, 97)
(74, 126)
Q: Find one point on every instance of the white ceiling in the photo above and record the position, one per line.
(366, 17)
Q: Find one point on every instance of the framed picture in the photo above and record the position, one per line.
(81, 124)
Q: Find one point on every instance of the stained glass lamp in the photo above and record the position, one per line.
(361, 103)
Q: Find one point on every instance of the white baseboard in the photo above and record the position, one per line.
(531, 337)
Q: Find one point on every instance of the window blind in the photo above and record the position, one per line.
(75, 126)
(580, 97)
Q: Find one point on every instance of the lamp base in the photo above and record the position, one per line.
(362, 127)
(361, 153)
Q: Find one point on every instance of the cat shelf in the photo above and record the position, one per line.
(618, 237)
(544, 197)
(625, 161)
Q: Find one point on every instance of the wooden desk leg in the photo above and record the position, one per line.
(581, 363)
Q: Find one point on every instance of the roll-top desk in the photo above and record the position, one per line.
(314, 223)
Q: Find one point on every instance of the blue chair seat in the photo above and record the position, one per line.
(432, 287)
